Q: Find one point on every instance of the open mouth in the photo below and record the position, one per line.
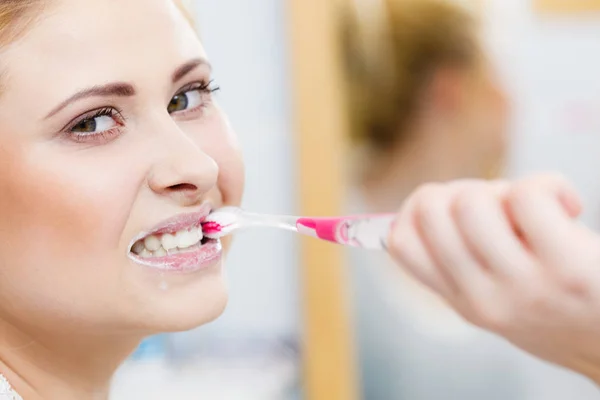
(182, 233)
(178, 244)
(170, 243)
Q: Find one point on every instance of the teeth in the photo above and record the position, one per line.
(186, 239)
(145, 253)
(168, 243)
(160, 252)
(152, 243)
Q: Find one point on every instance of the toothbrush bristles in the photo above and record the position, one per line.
(220, 223)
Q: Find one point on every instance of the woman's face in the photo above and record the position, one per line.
(484, 116)
(108, 132)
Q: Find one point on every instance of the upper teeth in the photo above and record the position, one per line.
(159, 245)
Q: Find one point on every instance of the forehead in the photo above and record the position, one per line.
(77, 42)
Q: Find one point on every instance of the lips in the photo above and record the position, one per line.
(177, 244)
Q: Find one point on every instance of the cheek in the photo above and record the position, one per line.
(496, 102)
(62, 205)
(217, 139)
(61, 221)
(499, 114)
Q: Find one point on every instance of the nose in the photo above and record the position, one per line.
(183, 172)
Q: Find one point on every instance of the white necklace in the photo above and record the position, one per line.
(6, 391)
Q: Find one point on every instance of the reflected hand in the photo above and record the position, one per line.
(510, 258)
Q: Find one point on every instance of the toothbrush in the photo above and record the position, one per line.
(364, 231)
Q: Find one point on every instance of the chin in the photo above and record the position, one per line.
(184, 302)
(191, 316)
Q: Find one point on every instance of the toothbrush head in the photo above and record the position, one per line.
(221, 222)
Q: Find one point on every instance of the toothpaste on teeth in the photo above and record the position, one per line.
(159, 245)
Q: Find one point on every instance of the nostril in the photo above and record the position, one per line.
(183, 187)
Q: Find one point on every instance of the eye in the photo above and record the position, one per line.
(185, 101)
(93, 125)
(192, 98)
(100, 125)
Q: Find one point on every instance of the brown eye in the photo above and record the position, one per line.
(185, 101)
(96, 124)
(88, 125)
(178, 103)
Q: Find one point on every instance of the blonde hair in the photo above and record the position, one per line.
(16, 15)
(186, 9)
(391, 57)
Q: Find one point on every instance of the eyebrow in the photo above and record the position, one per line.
(189, 67)
(120, 89)
(124, 89)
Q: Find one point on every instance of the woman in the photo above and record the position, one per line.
(427, 107)
(112, 151)
(425, 101)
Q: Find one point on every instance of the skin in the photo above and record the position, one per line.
(72, 304)
(458, 131)
(510, 258)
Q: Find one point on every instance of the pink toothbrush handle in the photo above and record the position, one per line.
(364, 231)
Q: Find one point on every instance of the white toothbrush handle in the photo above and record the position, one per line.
(364, 231)
(370, 232)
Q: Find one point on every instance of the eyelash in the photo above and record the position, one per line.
(205, 88)
(106, 135)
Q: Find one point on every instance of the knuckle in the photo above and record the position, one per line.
(466, 202)
(487, 309)
(492, 316)
(429, 191)
(533, 300)
(574, 284)
(554, 178)
(545, 178)
(519, 193)
(542, 183)
(430, 196)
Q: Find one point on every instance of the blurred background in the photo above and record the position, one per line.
(345, 107)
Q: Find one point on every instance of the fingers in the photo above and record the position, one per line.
(407, 248)
(453, 236)
(426, 241)
(501, 254)
(441, 237)
(543, 209)
(486, 229)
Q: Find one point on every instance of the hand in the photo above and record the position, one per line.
(510, 258)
